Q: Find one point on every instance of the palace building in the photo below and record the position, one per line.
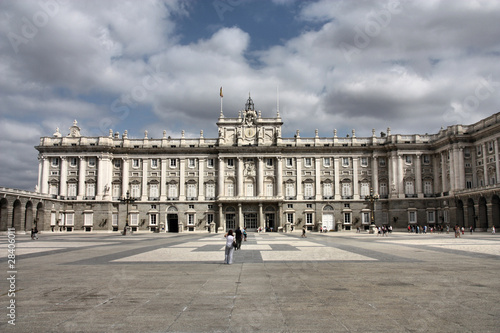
(250, 176)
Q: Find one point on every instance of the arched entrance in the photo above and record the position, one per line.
(4, 214)
(270, 219)
(39, 218)
(16, 215)
(460, 213)
(328, 220)
(495, 211)
(482, 214)
(28, 216)
(471, 213)
(172, 219)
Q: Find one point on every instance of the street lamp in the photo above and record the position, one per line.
(128, 200)
(371, 199)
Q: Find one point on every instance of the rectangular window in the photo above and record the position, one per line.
(55, 161)
(230, 190)
(210, 163)
(347, 218)
(191, 191)
(210, 190)
(134, 219)
(269, 190)
(92, 162)
(289, 217)
(327, 190)
(289, 190)
(230, 162)
(365, 218)
(307, 162)
(346, 189)
(381, 162)
(90, 190)
(269, 162)
(117, 163)
(191, 206)
(70, 219)
(114, 220)
(468, 184)
(412, 217)
(427, 187)
(153, 190)
(290, 206)
(173, 163)
(308, 189)
(309, 205)
(191, 163)
(249, 188)
(289, 162)
(72, 189)
(154, 163)
(427, 159)
(430, 217)
(54, 190)
(345, 161)
(135, 163)
(153, 219)
(490, 146)
(309, 218)
(172, 191)
(364, 161)
(88, 219)
(135, 191)
(409, 188)
(210, 218)
(408, 159)
(365, 190)
(327, 161)
(478, 148)
(116, 190)
(190, 219)
(73, 162)
(383, 189)
(53, 219)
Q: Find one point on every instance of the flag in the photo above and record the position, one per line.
(221, 95)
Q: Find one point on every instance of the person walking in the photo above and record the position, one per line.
(245, 234)
(493, 229)
(304, 232)
(238, 236)
(229, 251)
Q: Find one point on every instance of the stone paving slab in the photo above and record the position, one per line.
(334, 282)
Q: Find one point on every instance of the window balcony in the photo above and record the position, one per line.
(290, 198)
(154, 198)
(411, 196)
(347, 197)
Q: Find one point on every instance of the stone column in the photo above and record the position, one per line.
(355, 184)
(443, 171)
(45, 175)
(100, 180)
(375, 174)
(82, 170)
(336, 171)
(299, 178)
(435, 167)
(461, 169)
(220, 180)
(63, 179)
(400, 184)
(201, 179)
(125, 177)
(182, 179)
(260, 176)
(418, 176)
(163, 180)
(317, 189)
(40, 172)
(452, 167)
(262, 222)
(107, 170)
(222, 224)
(145, 194)
(485, 164)
(393, 171)
(240, 191)
(497, 162)
(279, 176)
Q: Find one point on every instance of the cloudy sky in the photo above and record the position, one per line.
(158, 65)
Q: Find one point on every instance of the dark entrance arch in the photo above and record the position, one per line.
(495, 211)
(39, 218)
(4, 214)
(460, 213)
(172, 223)
(16, 215)
(483, 214)
(28, 216)
(471, 213)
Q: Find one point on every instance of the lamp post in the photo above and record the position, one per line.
(371, 199)
(128, 200)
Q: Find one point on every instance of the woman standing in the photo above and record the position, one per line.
(229, 247)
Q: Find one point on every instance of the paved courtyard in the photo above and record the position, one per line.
(335, 282)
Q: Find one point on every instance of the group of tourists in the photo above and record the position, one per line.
(233, 243)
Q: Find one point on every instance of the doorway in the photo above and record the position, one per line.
(172, 223)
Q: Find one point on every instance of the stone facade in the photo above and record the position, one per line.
(249, 176)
